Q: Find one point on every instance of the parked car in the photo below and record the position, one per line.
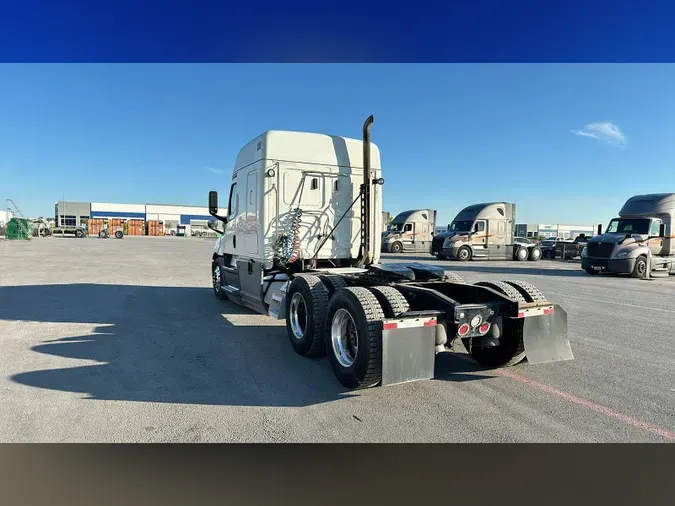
(563, 248)
(523, 240)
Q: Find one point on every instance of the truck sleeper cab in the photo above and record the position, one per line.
(301, 242)
(639, 242)
(410, 231)
(484, 231)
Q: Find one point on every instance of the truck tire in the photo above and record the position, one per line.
(640, 269)
(217, 279)
(530, 292)
(509, 352)
(354, 337)
(392, 301)
(306, 302)
(535, 254)
(548, 254)
(332, 282)
(453, 277)
(79, 234)
(520, 254)
(505, 288)
(396, 247)
(119, 234)
(464, 254)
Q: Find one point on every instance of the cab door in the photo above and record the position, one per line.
(655, 244)
(479, 242)
(408, 239)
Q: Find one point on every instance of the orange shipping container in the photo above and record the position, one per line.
(135, 227)
(155, 228)
(95, 226)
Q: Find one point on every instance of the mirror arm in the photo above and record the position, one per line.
(218, 217)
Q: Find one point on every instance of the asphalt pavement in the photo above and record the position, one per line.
(123, 341)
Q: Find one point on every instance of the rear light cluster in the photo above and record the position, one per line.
(464, 329)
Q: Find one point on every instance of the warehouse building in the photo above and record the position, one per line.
(71, 214)
(5, 216)
(133, 219)
(557, 230)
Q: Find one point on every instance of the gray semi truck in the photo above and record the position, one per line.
(410, 231)
(639, 242)
(484, 231)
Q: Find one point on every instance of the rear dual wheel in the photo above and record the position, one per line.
(325, 315)
(354, 337)
(306, 303)
(534, 254)
(511, 348)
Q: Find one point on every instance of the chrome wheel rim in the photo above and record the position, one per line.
(216, 278)
(344, 338)
(298, 315)
(463, 254)
(641, 268)
(536, 254)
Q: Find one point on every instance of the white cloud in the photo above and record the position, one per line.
(605, 131)
(220, 172)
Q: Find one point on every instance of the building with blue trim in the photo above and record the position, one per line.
(78, 213)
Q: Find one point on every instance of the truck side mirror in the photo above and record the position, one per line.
(599, 228)
(662, 230)
(213, 202)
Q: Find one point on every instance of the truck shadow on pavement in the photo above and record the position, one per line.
(173, 345)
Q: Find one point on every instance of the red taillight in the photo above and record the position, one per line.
(463, 329)
(484, 328)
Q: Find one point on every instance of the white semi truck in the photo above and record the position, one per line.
(639, 242)
(301, 242)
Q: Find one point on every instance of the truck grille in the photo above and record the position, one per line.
(437, 244)
(600, 249)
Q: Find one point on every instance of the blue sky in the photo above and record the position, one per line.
(566, 143)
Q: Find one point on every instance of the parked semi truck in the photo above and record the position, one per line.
(301, 242)
(639, 242)
(410, 231)
(484, 231)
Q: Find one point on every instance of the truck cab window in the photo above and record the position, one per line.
(479, 226)
(656, 225)
(230, 210)
(408, 227)
(315, 184)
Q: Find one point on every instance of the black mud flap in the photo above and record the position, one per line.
(545, 337)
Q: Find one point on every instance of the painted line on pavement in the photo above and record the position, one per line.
(634, 422)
